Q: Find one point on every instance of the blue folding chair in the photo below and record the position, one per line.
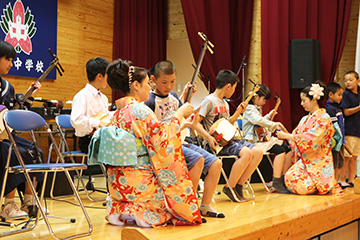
(63, 123)
(21, 120)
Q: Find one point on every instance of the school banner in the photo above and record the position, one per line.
(31, 27)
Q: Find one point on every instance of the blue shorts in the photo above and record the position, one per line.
(193, 153)
(234, 147)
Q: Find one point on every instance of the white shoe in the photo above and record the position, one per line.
(12, 210)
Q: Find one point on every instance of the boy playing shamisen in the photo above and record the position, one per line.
(164, 102)
(214, 107)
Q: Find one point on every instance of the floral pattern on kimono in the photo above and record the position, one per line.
(158, 188)
(313, 171)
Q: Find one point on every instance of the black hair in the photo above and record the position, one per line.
(353, 72)
(166, 67)
(118, 75)
(7, 50)
(332, 88)
(307, 92)
(151, 71)
(224, 77)
(95, 66)
(264, 91)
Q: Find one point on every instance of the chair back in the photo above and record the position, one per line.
(23, 120)
(64, 121)
(239, 123)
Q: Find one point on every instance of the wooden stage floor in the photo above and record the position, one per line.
(268, 216)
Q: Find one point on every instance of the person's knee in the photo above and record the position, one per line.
(245, 154)
(257, 153)
(216, 166)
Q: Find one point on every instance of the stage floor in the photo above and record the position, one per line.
(268, 216)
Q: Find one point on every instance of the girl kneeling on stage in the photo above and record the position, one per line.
(157, 189)
(313, 173)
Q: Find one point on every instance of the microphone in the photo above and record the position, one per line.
(203, 36)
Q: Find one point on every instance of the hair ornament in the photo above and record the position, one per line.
(130, 74)
(316, 91)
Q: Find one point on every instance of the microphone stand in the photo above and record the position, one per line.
(243, 69)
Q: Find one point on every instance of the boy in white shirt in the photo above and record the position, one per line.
(90, 107)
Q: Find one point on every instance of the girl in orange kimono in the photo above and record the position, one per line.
(156, 189)
(313, 171)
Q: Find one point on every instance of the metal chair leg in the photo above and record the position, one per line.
(262, 180)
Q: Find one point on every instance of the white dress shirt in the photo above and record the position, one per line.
(88, 103)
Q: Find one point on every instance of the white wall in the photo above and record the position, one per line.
(179, 52)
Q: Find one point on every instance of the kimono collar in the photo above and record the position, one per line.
(122, 102)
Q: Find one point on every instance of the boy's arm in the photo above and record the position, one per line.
(79, 119)
(186, 90)
(200, 130)
(240, 109)
(351, 111)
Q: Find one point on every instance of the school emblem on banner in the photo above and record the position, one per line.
(30, 27)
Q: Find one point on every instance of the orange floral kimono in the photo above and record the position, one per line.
(157, 189)
(313, 172)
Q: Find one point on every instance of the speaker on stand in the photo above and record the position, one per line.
(304, 62)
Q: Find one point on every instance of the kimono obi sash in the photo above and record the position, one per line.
(116, 147)
(337, 140)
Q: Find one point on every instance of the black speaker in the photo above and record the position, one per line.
(304, 62)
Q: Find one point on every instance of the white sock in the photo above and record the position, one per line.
(114, 219)
(343, 183)
(207, 208)
(127, 217)
(7, 200)
(142, 223)
(29, 199)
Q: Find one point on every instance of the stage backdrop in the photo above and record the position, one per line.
(227, 24)
(140, 32)
(285, 20)
(31, 27)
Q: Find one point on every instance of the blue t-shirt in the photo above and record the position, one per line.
(351, 100)
(335, 112)
(164, 107)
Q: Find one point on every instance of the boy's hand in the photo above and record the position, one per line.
(185, 110)
(242, 105)
(212, 142)
(104, 123)
(37, 86)
(187, 87)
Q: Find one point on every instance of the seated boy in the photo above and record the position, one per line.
(90, 107)
(214, 107)
(7, 101)
(165, 103)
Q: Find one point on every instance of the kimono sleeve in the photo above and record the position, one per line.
(157, 136)
(319, 132)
